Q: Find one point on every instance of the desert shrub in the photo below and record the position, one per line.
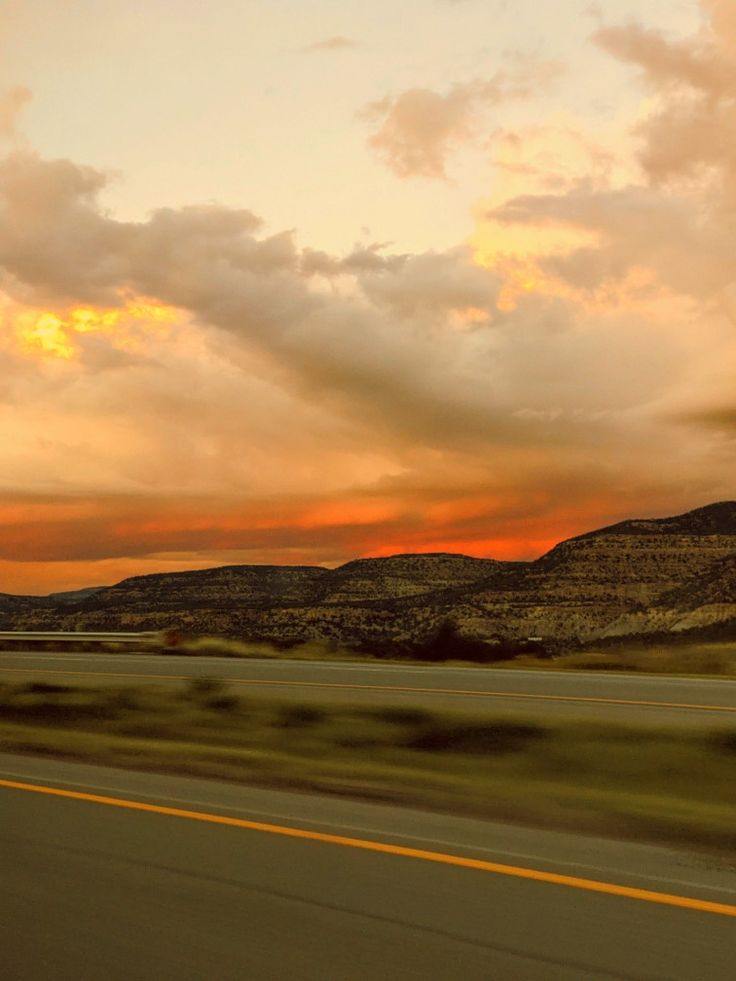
(359, 733)
(222, 703)
(441, 735)
(55, 707)
(123, 700)
(146, 728)
(401, 715)
(448, 644)
(45, 688)
(724, 740)
(200, 688)
(297, 716)
(225, 647)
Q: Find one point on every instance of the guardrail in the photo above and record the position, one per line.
(147, 638)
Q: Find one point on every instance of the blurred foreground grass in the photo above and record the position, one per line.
(654, 783)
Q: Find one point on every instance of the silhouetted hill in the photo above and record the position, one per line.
(10, 603)
(713, 519)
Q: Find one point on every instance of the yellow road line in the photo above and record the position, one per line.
(486, 694)
(536, 875)
(387, 688)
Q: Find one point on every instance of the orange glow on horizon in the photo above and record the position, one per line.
(60, 540)
(503, 549)
(332, 514)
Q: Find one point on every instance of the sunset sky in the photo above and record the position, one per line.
(299, 282)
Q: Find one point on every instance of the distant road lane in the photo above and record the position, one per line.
(627, 697)
(138, 876)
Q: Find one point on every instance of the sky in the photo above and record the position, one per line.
(296, 283)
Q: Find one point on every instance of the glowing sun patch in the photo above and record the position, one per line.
(55, 335)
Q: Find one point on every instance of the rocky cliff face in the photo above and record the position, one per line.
(617, 580)
(639, 576)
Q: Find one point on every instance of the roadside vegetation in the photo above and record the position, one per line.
(645, 782)
(711, 655)
(712, 658)
(445, 643)
(716, 658)
(314, 650)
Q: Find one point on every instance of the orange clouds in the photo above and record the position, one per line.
(272, 402)
(691, 126)
(603, 236)
(419, 127)
(48, 544)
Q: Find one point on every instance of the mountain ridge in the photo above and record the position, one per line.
(716, 518)
(635, 577)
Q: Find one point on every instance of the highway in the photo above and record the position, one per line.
(119, 875)
(687, 701)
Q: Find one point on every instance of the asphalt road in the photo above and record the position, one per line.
(93, 889)
(625, 697)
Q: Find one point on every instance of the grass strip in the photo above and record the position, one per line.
(655, 784)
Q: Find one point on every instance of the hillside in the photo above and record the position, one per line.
(713, 519)
(635, 577)
(612, 580)
(400, 576)
(10, 604)
(225, 587)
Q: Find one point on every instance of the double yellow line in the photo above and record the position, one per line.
(479, 865)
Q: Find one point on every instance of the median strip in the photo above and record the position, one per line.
(646, 782)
